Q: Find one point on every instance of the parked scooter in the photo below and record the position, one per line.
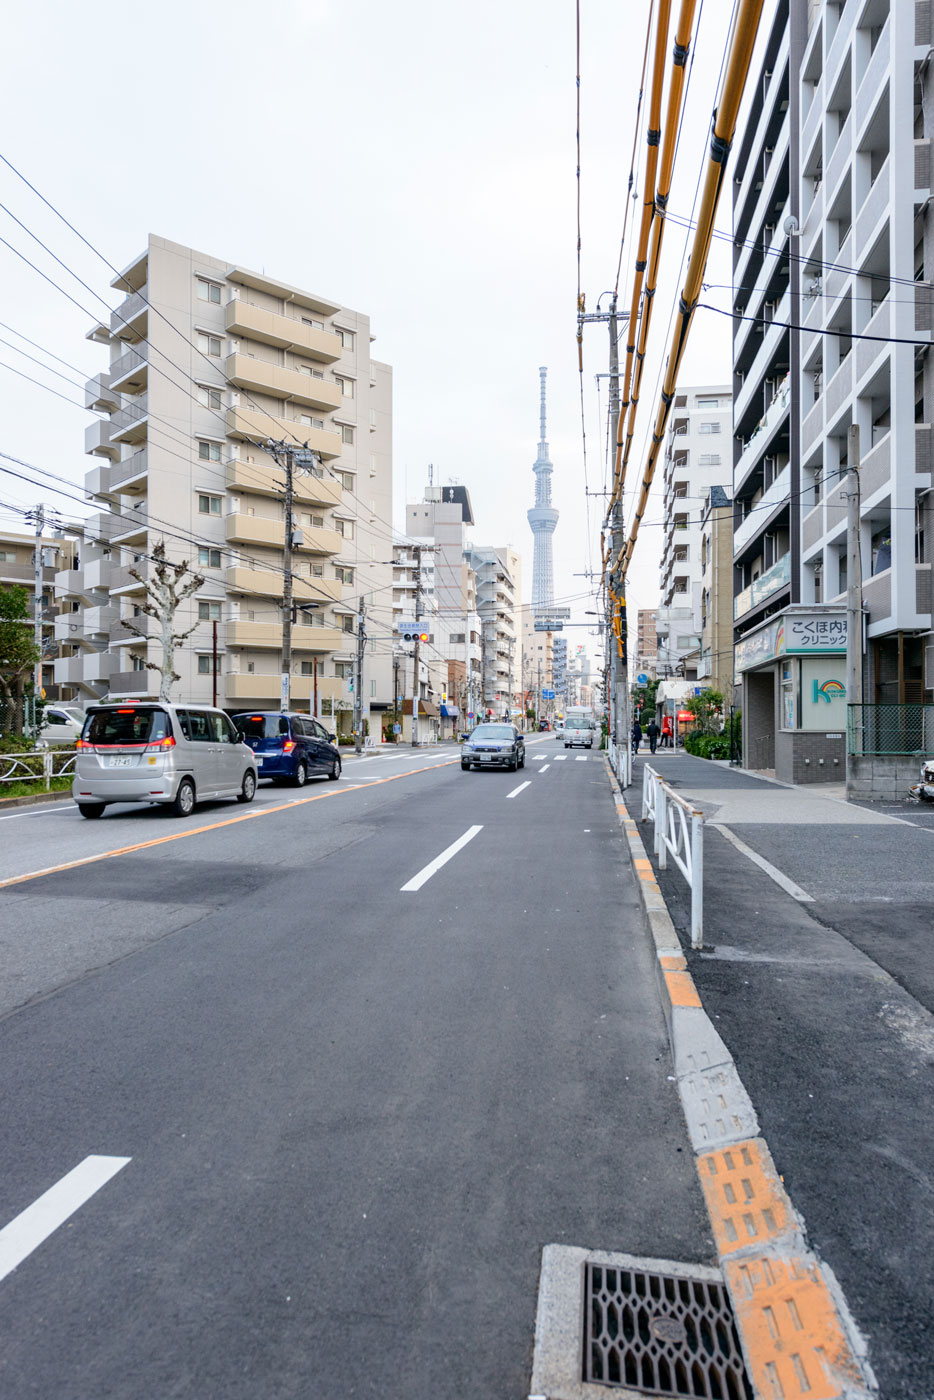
(924, 791)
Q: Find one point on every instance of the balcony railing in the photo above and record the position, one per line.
(772, 581)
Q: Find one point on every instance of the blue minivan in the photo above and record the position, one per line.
(289, 748)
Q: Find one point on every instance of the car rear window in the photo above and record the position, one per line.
(127, 725)
(262, 726)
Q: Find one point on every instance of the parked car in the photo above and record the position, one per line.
(61, 724)
(172, 755)
(289, 748)
(494, 746)
(559, 729)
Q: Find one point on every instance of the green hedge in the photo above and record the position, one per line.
(708, 745)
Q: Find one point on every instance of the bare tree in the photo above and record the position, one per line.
(164, 592)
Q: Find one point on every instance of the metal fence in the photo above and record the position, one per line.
(890, 729)
(679, 832)
(38, 767)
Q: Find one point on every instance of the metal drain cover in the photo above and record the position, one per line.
(661, 1334)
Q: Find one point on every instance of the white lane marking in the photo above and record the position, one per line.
(40, 809)
(787, 884)
(515, 792)
(28, 1230)
(581, 758)
(544, 768)
(539, 755)
(430, 869)
(560, 757)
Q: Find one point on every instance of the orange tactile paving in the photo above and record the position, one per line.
(681, 989)
(794, 1344)
(745, 1198)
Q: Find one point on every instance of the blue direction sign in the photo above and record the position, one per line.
(642, 678)
(548, 695)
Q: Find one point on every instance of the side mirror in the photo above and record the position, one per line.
(333, 738)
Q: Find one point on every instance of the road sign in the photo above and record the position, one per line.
(697, 690)
(406, 626)
(548, 625)
(548, 694)
(642, 678)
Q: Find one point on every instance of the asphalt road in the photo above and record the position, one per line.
(353, 1113)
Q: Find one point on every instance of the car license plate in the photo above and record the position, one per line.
(258, 759)
(121, 761)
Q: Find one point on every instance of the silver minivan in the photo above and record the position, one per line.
(152, 751)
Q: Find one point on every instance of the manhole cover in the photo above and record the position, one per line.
(661, 1334)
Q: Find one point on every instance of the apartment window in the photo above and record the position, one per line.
(346, 434)
(210, 558)
(343, 575)
(309, 422)
(709, 459)
(710, 428)
(204, 665)
(316, 571)
(345, 528)
(137, 663)
(209, 344)
(208, 612)
(373, 425)
(316, 522)
(345, 479)
(308, 321)
(209, 451)
(211, 398)
(346, 386)
(346, 624)
(343, 670)
(7, 556)
(708, 403)
(209, 505)
(208, 291)
(345, 337)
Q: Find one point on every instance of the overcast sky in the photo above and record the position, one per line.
(414, 161)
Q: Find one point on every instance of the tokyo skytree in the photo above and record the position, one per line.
(542, 519)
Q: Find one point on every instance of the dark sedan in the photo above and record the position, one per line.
(494, 746)
(289, 748)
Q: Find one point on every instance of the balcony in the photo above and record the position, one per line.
(97, 440)
(97, 621)
(128, 322)
(122, 582)
(247, 685)
(130, 372)
(97, 484)
(255, 529)
(285, 332)
(256, 426)
(99, 394)
(261, 478)
(97, 575)
(759, 516)
(266, 583)
(772, 581)
(133, 683)
(130, 424)
(97, 666)
(763, 433)
(131, 528)
(100, 528)
(267, 636)
(283, 382)
(69, 583)
(131, 476)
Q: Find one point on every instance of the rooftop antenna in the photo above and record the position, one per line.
(431, 474)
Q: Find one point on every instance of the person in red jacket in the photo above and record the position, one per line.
(666, 731)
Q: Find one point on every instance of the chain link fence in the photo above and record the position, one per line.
(890, 729)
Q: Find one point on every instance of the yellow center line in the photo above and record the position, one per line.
(216, 826)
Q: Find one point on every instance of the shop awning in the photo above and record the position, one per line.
(425, 707)
(450, 712)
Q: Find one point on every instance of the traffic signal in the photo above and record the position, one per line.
(415, 636)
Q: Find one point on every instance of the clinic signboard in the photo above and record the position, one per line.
(793, 632)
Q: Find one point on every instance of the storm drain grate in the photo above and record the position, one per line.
(661, 1334)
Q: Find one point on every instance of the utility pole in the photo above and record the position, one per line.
(358, 682)
(854, 582)
(39, 520)
(288, 457)
(618, 689)
(417, 551)
(395, 690)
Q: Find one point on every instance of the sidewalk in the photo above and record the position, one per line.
(818, 974)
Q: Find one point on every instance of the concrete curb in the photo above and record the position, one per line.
(30, 799)
(798, 1336)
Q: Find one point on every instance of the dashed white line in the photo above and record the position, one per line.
(539, 755)
(28, 1230)
(560, 757)
(544, 768)
(581, 758)
(515, 792)
(430, 869)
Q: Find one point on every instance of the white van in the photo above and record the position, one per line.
(61, 724)
(151, 751)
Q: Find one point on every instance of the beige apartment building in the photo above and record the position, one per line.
(498, 572)
(646, 652)
(715, 663)
(537, 663)
(18, 569)
(208, 363)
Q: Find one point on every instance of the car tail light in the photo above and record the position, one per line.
(158, 745)
(288, 745)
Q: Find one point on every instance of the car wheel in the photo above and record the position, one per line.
(91, 809)
(513, 765)
(335, 770)
(301, 774)
(184, 803)
(248, 787)
(522, 761)
(465, 767)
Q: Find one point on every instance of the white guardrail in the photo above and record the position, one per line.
(679, 831)
(24, 767)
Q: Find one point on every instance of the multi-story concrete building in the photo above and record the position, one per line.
(696, 458)
(18, 569)
(537, 663)
(208, 363)
(646, 649)
(499, 584)
(715, 663)
(414, 598)
(832, 235)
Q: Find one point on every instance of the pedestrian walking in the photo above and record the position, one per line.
(636, 736)
(666, 731)
(652, 733)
